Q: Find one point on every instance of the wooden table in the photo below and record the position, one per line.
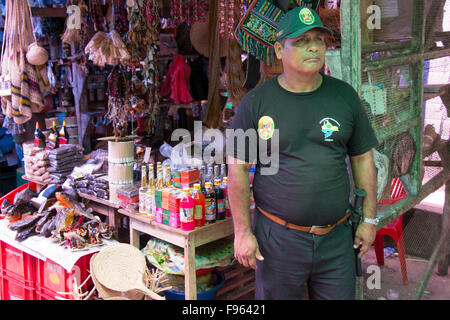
(188, 240)
(104, 207)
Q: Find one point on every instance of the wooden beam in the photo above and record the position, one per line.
(49, 12)
(402, 206)
(398, 61)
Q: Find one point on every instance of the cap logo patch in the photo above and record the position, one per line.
(306, 16)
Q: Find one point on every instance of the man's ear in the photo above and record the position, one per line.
(278, 47)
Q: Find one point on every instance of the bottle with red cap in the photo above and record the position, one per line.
(199, 202)
(187, 210)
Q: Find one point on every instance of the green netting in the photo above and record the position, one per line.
(391, 100)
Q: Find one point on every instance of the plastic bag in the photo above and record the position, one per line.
(175, 83)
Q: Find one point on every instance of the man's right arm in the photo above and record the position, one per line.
(245, 245)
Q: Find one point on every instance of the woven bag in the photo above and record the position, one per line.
(36, 55)
(256, 32)
(8, 49)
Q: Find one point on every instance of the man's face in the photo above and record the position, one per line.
(304, 54)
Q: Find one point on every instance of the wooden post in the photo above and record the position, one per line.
(189, 270)
(443, 261)
(437, 251)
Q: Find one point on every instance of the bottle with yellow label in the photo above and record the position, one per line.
(150, 194)
(143, 190)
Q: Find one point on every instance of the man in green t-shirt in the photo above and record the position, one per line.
(301, 232)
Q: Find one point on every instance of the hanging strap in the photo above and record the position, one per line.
(5, 36)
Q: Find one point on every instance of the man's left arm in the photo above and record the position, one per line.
(365, 177)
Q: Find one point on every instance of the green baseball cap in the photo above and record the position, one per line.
(298, 21)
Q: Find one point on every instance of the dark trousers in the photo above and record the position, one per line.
(292, 258)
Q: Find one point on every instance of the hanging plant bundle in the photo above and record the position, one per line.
(107, 48)
(73, 34)
(143, 42)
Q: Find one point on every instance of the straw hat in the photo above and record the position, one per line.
(199, 36)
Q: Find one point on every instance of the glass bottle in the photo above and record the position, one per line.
(63, 134)
(39, 138)
(210, 204)
(220, 200)
(143, 190)
(150, 197)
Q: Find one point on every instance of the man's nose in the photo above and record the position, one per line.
(312, 46)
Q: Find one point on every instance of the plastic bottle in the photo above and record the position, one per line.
(199, 202)
(220, 200)
(210, 204)
(143, 190)
(39, 138)
(224, 187)
(187, 211)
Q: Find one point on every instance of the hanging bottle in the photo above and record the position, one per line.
(199, 209)
(143, 190)
(210, 204)
(220, 200)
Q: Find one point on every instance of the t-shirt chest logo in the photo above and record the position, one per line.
(329, 127)
(266, 127)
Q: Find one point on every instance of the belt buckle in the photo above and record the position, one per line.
(313, 228)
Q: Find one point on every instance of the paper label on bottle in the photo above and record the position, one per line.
(220, 205)
(142, 200)
(148, 203)
(186, 215)
(198, 212)
(210, 209)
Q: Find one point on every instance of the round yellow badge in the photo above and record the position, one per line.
(266, 127)
(306, 16)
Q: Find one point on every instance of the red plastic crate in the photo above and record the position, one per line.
(10, 196)
(51, 277)
(17, 264)
(44, 294)
(13, 289)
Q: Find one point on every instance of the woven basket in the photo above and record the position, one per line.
(108, 294)
(121, 268)
(36, 55)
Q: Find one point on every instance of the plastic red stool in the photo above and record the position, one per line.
(394, 230)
